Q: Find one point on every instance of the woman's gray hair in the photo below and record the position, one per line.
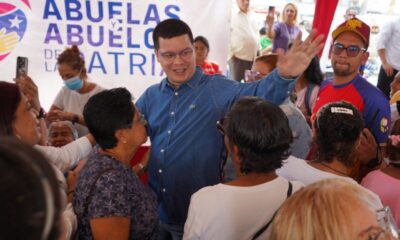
(65, 123)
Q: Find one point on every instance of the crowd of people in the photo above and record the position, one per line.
(286, 154)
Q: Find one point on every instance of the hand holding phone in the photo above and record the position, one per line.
(22, 66)
(271, 15)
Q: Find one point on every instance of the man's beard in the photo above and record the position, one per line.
(343, 72)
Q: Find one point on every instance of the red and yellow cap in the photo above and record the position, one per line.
(354, 25)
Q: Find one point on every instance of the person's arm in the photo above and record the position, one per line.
(141, 167)
(31, 92)
(270, 22)
(70, 221)
(67, 156)
(56, 114)
(110, 228)
(385, 65)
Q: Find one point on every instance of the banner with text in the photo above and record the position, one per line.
(114, 36)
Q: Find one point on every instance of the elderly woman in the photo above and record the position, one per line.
(332, 209)
(71, 99)
(284, 32)
(21, 118)
(30, 203)
(61, 133)
(111, 202)
(257, 136)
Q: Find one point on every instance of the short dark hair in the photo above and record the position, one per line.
(30, 201)
(260, 130)
(10, 97)
(338, 127)
(170, 28)
(262, 31)
(203, 40)
(106, 112)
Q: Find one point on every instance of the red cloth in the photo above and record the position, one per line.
(211, 68)
(323, 16)
(136, 159)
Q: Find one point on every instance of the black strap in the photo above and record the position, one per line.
(89, 197)
(309, 90)
(259, 232)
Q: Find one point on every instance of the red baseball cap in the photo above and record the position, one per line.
(356, 26)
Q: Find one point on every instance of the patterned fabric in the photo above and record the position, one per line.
(117, 192)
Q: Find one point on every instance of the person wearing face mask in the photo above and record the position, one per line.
(69, 102)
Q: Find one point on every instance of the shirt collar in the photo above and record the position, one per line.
(192, 83)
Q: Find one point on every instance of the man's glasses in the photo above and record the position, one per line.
(185, 55)
(220, 126)
(352, 50)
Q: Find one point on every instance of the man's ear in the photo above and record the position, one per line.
(364, 58)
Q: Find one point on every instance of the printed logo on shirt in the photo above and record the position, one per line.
(384, 125)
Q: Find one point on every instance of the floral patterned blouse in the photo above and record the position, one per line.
(117, 192)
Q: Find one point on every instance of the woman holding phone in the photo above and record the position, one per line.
(284, 32)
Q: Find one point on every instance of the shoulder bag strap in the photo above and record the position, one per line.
(262, 230)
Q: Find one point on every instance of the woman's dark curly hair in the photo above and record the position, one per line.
(338, 127)
(261, 132)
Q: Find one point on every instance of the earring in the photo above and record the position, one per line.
(124, 141)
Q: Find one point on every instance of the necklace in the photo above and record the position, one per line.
(331, 168)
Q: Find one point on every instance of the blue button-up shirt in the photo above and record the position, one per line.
(186, 147)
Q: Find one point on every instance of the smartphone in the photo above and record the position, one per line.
(22, 66)
(271, 10)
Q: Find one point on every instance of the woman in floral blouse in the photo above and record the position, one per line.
(110, 201)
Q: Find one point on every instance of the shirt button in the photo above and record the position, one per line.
(176, 93)
(163, 189)
(162, 150)
(169, 131)
(159, 170)
(172, 113)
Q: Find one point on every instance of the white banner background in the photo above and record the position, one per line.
(123, 55)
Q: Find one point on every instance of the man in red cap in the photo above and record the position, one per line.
(348, 52)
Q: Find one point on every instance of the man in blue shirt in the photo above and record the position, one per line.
(182, 112)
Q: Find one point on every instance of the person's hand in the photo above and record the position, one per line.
(8, 41)
(366, 150)
(299, 56)
(72, 179)
(58, 115)
(29, 89)
(388, 69)
(270, 19)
